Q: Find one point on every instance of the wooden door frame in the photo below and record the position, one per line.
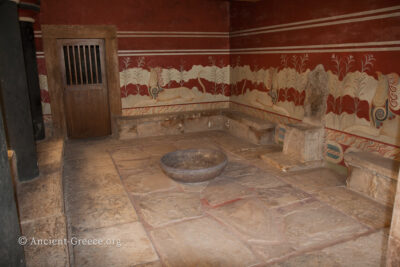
(50, 34)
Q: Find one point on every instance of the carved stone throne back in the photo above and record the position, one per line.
(316, 96)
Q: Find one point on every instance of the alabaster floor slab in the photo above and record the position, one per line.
(281, 195)
(200, 242)
(129, 153)
(311, 224)
(252, 220)
(365, 251)
(193, 187)
(166, 207)
(221, 191)
(84, 151)
(128, 245)
(158, 149)
(91, 179)
(90, 210)
(139, 184)
(85, 165)
(251, 215)
(312, 181)
(259, 180)
(144, 165)
(365, 210)
(236, 169)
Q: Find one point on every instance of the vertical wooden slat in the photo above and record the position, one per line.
(95, 63)
(79, 63)
(73, 58)
(89, 79)
(84, 60)
(69, 65)
(65, 62)
(98, 64)
(90, 63)
(83, 67)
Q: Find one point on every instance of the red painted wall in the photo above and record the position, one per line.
(346, 37)
(246, 15)
(139, 15)
(145, 15)
(170, 26)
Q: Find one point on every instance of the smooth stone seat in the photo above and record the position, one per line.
(253, 129)
(251, 121)
(372, 175)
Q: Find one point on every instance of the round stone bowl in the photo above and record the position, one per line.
(194, 165)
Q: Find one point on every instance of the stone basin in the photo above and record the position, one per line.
(194, 165)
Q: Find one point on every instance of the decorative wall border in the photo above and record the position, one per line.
(325, 48)
(320, 22)
(352, 47)
(162, 34)
(173, 52)
(171, 34)
(163, 109)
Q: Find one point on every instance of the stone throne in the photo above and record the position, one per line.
(304, 142)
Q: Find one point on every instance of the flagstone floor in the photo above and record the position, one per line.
(251, 215)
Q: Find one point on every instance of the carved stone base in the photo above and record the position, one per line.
(304, 141)
(302, 148)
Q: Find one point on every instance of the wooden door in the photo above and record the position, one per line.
(85, 87)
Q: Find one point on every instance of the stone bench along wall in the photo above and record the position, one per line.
(372, 175)
(238, 124)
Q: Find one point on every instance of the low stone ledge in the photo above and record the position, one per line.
(372, 175)
(253, 122)
(384, 166)
(238, 124)
(169, 124)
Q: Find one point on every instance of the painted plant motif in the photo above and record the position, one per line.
(221, 77)
(235, 73)
(152, 85)
(125, 66)
(284, 61)
(182, 73)
(154, 82)
(349, 94)
(213, 76)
